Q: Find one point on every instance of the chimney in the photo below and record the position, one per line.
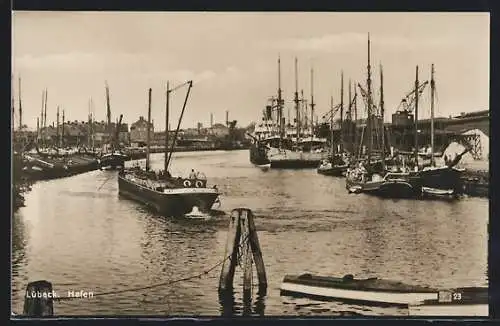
(211, 120)
(227, 118)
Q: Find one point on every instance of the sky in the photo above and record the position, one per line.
(232, 59)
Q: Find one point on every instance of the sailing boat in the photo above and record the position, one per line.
(365, 179)
(443, 180)
(338, 162)
(112, 159)
(169, 196)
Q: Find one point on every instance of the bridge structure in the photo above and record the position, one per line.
(464, 129)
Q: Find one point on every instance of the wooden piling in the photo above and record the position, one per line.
(242, 235)
(257, 254)
(247, 256)
(38, 299)
(232, 244)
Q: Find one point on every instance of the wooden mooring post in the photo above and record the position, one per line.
(38, 300)
(242, 238)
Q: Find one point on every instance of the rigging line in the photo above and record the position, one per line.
(199, 275)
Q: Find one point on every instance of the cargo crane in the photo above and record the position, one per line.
(407, 104)
(331, 113)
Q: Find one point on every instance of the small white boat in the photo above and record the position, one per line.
(462, 302)
(437, 192)
(264, 167)
(372, 291)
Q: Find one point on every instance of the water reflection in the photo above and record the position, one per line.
(77, 236)
(250, 305)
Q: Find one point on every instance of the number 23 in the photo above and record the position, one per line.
(457, 296)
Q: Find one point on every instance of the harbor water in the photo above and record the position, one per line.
(79, 234)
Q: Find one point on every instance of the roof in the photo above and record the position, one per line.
(141, 121)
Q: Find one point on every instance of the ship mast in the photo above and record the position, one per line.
(341, 111)
(40, 134)
(280, 102)
(89, 127)
(303, 112)
(331, 125)
(108, 115)
(62, 129)
(416, 115)
(45, 115)
(20, 107)
(355, 119)
(167, 109)
(312, 105)
(189, 83)
(349, 108)
(92, 123)
(369, 100)
(382, 114)
(433, 163)
(148, 128)
(297, 107)
(58, 141)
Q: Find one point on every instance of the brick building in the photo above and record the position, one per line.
(138, 131)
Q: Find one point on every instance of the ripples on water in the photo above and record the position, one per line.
(81, 237)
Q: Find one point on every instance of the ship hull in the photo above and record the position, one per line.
(397, 189)
(443, 178)
(334, 171)
(296, 160)
(258, 155)
(176, 202)
(112, 161)
(370, 187)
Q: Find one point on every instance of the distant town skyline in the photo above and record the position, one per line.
(232, 59)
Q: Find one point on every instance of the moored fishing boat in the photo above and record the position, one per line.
(437, 181)
(358, 180)
(112, 157)
(372, 291)
(399, 185)
(170, 196)
(337, 166)
(112, 161)
(464, 302)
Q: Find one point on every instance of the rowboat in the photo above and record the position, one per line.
(372, 291)
(327, 168)
(472, 301)
(428, 192)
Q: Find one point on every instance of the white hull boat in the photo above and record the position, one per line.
(371, 291)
